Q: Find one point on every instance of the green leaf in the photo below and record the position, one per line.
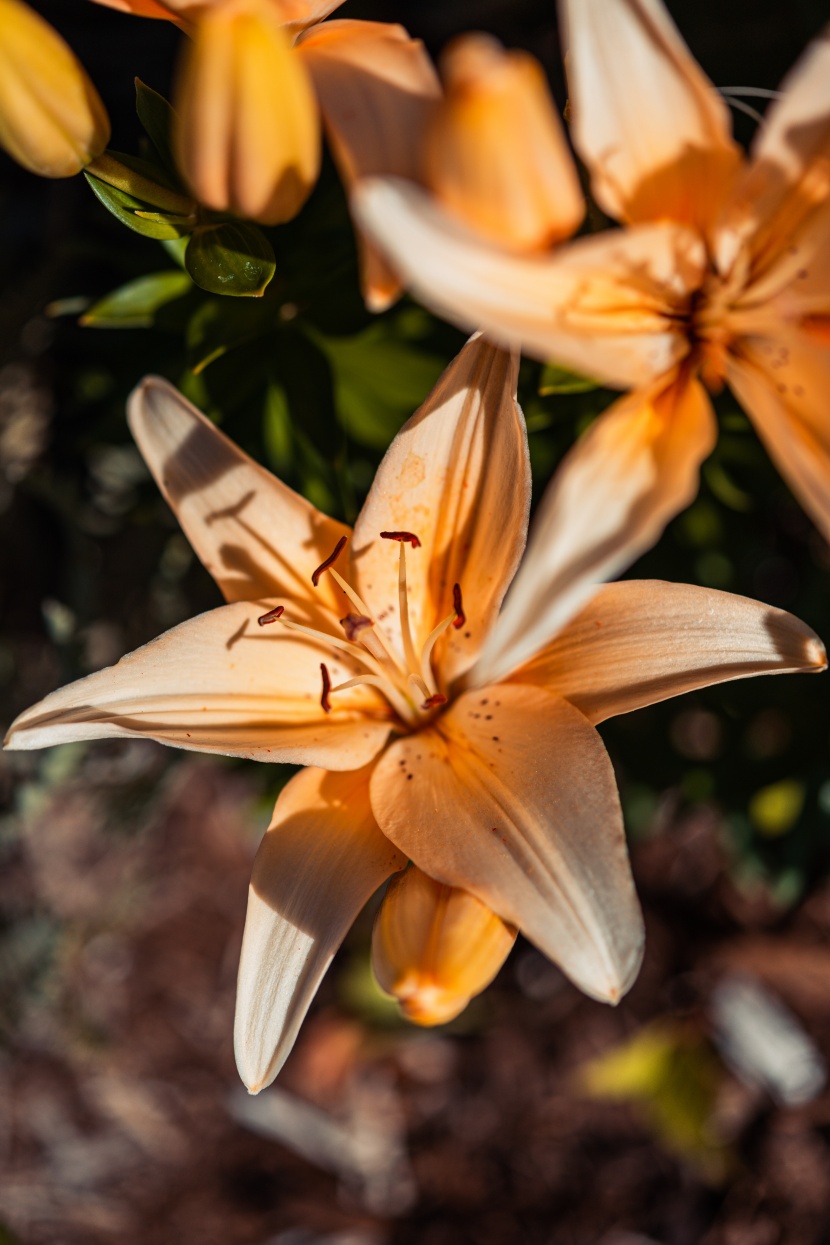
(231, 258)
(218, 326)
(276, 429)
(379, 381)
(157, 116)
(135, 304)
(124, 208)
(555, 379)
(175, 248)
(144, 180)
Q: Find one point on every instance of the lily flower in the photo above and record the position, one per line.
(254, 83)
(437, 726)
(719, 275)
(52, 120)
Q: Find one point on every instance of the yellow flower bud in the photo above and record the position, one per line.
(52, 120)
(435, 946)
(248, 135)
(495, 153)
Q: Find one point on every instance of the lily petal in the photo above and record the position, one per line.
(783, 383)
(635, 468)
(495, 152)
(457, 475)
(648, 123)
(600, 306)
(512, 797)
(321, 859)
(642, 641)
(790, 171)
(377, 88)
(434, 947)
(247, 133)
(218, 683)
(255, 535)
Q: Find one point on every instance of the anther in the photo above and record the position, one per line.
(353, 624)
(330, 560)
(408, 538)
(324, 699)
(460, 616)
(432, 701)
(271, 616)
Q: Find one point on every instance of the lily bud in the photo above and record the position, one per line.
(52, 120)
(495, 153)
(248, 133)
(434, 947)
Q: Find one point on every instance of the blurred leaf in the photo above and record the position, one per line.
(724, 487)
(379, 381)
(674, 1077)
(135, 304)
(232, 258)
(124, 207)
(144, 179)
(555, 379)
(276, 429)
(218, 326)
(176, 248)
(156, 115)
(775, 809)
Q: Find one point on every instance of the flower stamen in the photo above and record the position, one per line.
(271, 616)
(407, 538)
(324, 699)
(460, 616)
(330, 560)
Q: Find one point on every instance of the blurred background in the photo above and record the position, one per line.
(697, 1111)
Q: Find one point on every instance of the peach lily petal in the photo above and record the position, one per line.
(254, 535)
(434, 946)
(783, 384)
(790, 171)
(495, 153)
(635, 468)
(604, 305)
(376, 87)
(321, 859)
(512, 797)
(653, 131)
(247, 133)
(457, 475)
(218, 683)
(642, 641)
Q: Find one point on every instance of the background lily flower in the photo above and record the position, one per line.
(436, 726)
(255, 80)
(719, 276)
(52, 120)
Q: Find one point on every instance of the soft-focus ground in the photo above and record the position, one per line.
(124, 1122)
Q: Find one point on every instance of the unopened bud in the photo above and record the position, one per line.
(434, 947)
(52, 120)
(495, 153)
(248, 132)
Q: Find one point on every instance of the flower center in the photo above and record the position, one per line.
(409, 685)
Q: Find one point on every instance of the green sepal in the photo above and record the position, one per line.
(230, 258)
(156, 116)
(555, 379)
(125, 207)
(135, 304)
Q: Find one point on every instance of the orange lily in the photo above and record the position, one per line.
(52, 120)
(253, 83)
(720, 274)
(435, 724)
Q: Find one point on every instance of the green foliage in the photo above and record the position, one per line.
(232, 258)
(135, 304)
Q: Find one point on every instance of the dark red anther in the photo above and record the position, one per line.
(353, 624)
(408, 538)
(460, 616)
(271, 616)
(432, 701)
(324, 699)
(330, 561)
